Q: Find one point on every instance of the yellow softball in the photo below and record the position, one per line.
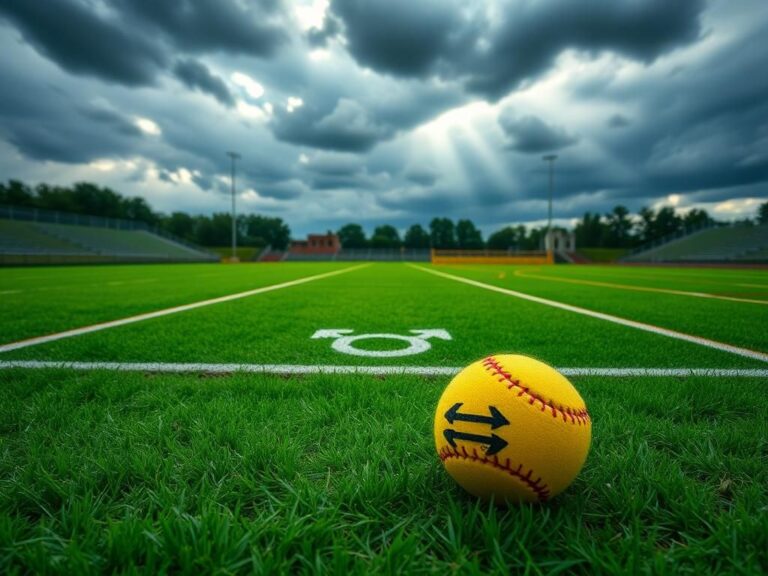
(512, 428)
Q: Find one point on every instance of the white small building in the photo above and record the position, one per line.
(560, 241)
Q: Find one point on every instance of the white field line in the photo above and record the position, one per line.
(199, 368)
(723, 347)
(167, 311)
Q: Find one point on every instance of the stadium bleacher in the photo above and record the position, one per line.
(119, 242)
(37, 242)
(25, 238)
(718, 244)
(757, 255)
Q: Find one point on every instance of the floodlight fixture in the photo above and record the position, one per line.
(551, 159)
(234, 157)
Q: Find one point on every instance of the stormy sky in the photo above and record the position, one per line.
(391, 111)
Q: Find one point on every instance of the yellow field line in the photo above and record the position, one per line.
(722, 346)
(608, 271)
(522, 274)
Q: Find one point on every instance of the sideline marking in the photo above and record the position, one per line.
(180, 368)
(753, 354)
(165, 312)
(610, 272)
(524, 274)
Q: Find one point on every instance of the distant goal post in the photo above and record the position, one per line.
(491, 257)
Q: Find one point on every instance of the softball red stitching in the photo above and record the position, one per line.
(537, 486)
(576, 416)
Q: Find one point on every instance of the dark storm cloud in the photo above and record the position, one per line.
(427, 200)
(495, 197)
(203, 181)
(618, 121)
(422, 176)
(45, 128)
(334, 164)
(493, 54)
(533, 34)
(253, 28)
(325, 170)
(721, 154)
(130, 41)
(703, 127)
(357, 181)
(47, 120)
(401, 37)
(73, 35)
(414, 103)
(196, 75)
(728, 83)
(112, 120)
(530, 135)
(347, 127)
(689, 121)
(285, 190)
(756, 190)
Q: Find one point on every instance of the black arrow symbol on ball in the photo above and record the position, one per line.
(495, 443)
(496, 419)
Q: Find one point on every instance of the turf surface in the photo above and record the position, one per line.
(38, 301)
(103, 471)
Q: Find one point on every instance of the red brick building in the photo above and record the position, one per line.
(316, 244)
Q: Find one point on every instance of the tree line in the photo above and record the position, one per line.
(93, 200)
(621, 229)
(442, 233)
(616, 229)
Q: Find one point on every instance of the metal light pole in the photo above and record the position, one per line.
(234, 156)
(551, 159)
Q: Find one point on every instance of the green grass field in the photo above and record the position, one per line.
(225, 438)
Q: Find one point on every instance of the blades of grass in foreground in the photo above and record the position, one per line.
(337, 473)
